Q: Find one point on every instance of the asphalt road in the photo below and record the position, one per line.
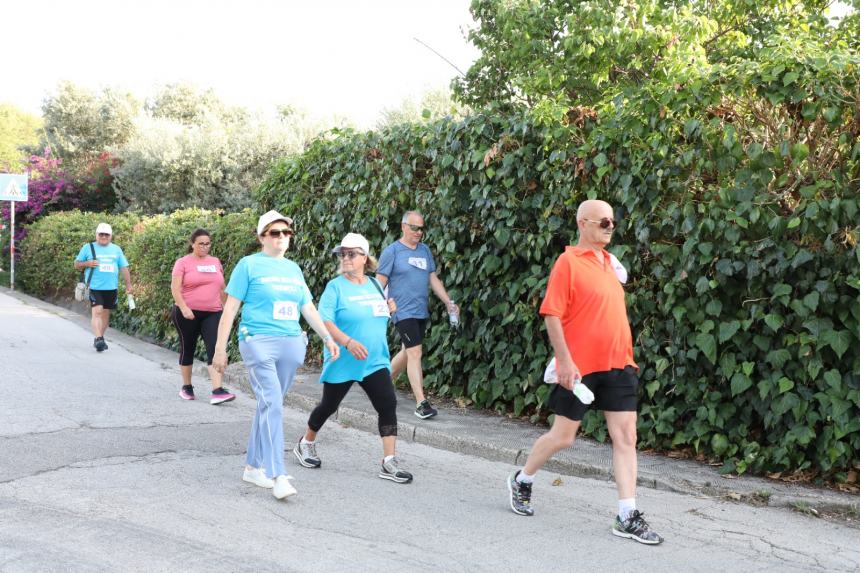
(104, 468)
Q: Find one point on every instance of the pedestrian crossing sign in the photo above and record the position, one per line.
(13, 187)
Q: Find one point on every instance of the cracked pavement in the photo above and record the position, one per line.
(104, 468)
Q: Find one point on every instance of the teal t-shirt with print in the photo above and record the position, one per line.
(111, 259)
(361, 313)
(273, 291)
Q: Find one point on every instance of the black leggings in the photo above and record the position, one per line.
(205, 323)
(378, 388)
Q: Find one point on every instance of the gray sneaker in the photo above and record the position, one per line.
(636, 528)
(307, 454)
(520, 495)
(391, 470)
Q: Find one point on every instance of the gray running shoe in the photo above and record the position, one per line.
(391, 470)
(307, 454)
(100, 344)
(425, 410)
(520, 495)
(636, 528)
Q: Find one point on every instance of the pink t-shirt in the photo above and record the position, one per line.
(202, 281)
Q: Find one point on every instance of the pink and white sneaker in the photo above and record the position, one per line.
(187, 393)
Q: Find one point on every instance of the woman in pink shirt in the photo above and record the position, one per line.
(198, 291)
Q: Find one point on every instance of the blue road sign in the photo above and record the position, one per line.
(13, 187)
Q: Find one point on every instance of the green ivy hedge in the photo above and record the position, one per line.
(738, 192)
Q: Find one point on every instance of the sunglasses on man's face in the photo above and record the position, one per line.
(415, 228)
(276, 233)
(104, 234)
(348, 254)
(604, 223)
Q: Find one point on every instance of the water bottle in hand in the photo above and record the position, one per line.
(453, 314)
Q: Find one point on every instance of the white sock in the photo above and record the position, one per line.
(626, 507)
(306, 441)
(523, 477)
(387, 459)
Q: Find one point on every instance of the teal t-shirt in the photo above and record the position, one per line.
(361, 313)
(111, 259)
(273, 291)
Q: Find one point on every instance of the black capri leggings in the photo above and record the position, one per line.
(205, 323)
(378, 388)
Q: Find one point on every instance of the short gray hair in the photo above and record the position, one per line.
(406, 216)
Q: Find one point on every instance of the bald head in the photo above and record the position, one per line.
(593, 209)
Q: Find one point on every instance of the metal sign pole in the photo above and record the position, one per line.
(12, 246)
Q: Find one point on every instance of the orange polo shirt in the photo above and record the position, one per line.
(589, 299)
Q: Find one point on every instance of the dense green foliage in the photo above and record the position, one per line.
(151, 244)
(739, 194)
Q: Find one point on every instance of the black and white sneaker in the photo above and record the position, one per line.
(307, 454)
(636, 528)
(391, 470)
(520, 495)
(425, 410)
(100, 344)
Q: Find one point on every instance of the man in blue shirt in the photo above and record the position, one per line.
(408, 268)
(103, 274)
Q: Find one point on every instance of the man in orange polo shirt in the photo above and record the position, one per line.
(586, 319)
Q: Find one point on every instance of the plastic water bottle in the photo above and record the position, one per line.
(582, 392)
(130, 300)
(453, 317)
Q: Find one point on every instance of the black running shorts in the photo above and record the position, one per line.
(411, 331)
(614, 391)
(104, 298)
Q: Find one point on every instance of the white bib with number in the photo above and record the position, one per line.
(285, 310)
(418, 262)
(206, 269)
(380, 308)
(106, 268)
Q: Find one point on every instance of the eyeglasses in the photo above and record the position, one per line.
(349, 254)
(604, 222)
(202, 244)
(276, 233)
(416, 228)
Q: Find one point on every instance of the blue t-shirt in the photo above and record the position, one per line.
(361, 313)
(111, 259)
(408, 271)
(273, 291)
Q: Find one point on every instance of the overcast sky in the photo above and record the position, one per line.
(330, 57)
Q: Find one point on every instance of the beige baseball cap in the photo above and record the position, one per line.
(353, 241)
(270, 217)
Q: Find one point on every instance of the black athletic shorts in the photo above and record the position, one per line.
(411, 331)
(104, 298)
(614, 391)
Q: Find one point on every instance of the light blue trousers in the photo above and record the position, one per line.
(272, 362)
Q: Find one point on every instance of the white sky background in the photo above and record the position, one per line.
(329, 57)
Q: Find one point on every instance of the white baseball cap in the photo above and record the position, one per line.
(104, 228)
(267, 219)
(353, 241)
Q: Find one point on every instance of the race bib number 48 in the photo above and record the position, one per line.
(285, 310)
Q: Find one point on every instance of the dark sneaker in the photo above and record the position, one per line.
(307, 454)
(221, 395)
(424, 410)
(636, 528)
(391, 470)
(187, 393)
(521, 495)
(100, 344)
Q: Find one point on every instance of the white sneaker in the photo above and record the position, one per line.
(283, 488)
(257, 477)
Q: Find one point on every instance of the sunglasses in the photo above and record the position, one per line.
(276, 233)
(415, 228)
(604, 222)
(104, 234)
(349, 254)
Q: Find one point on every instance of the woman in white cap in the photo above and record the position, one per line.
(105, 261)
(271, 342)
(356, 313)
